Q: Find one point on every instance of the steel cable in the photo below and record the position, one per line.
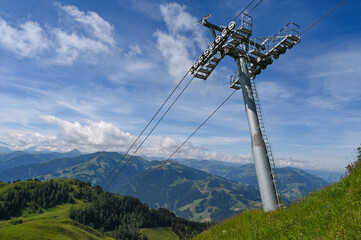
(175, 100)
(319, 20)
(251, 10)
(161, 107)
(164, 161)
(244, 9)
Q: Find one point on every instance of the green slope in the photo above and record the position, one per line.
(294, 183)
(330, 213)
(54, 223)
(93, 168)
(190, 193)
(32, 221)
(97, 168)
(161, 233)
(72, 209)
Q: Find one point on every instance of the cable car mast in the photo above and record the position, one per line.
(252, 56)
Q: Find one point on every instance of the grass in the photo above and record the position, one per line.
(203, 216)
(53, 223)
(161, 233)
(49, 229)
(330, 213)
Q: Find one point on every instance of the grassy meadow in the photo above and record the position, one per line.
(331, 213)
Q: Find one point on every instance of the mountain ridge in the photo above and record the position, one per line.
(294, 182)
(191, 193)
(18, 158)
(170, 185)
(94, 168)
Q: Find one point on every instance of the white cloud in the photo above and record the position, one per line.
(174, 50)
(271, 91)
(134, 49)
(221, 141)
(341, 73)
(322, 102)
(103, 136)
(59, 45)
(292, 162)
(176, 18)
(132, 68)
(27, 41)
(74, 45)
(180, 42)
(179, 21)
(71, 47)
(94, 134)
(146, 8)
(94, 24)
(138, 66)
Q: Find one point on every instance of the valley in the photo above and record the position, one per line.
(204, 191)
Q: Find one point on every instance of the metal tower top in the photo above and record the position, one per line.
(235, 41)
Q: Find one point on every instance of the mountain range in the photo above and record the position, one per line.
(202, 191)
(294, 183)
(190, 193)
(10, 159)
(180, 188)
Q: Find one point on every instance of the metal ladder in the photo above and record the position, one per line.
(267, 142)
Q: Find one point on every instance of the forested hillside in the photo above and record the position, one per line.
(190, 193)
(24, 204)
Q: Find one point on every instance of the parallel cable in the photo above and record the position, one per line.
(255, 6)
(160, 108)
(251, 9)
(319, 20)
(162, 164)
(164, 161)
(244, 9)
(185, 141)
(151, 131)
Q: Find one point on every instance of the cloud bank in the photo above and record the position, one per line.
(103, 136)
(179, 43)
(92, 36)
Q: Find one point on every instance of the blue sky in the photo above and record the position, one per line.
(90, 74)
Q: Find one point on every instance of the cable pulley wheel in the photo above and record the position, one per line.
(206, 53)
(212, 46)
(231, 25)
(224, 32)
(218, 39)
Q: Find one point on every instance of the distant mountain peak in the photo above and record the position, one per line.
(75, 151)
(5, 149)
